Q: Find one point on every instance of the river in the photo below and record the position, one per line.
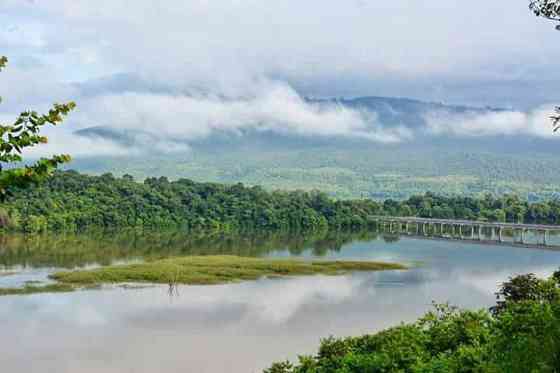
(238, 327)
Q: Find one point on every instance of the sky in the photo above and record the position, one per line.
(188, 67)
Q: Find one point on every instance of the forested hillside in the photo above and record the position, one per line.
(71, 201)
(377, 172)
(343, 166)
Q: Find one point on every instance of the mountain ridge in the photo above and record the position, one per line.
(347, 167)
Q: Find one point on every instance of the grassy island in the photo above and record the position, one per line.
(207, 270)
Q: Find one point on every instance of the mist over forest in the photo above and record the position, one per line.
(401, 147)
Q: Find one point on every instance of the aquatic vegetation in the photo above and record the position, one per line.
(204, 270)
(33, 289)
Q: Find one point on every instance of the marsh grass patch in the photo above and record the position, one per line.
(209, 270)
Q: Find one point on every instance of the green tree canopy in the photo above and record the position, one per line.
(549, 9)
(25, 133)
(546, 8)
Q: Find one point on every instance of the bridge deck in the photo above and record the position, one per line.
(541, 227)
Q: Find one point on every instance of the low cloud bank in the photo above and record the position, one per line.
(167, 123)
(491, 123)
(60, 142)
(277, 108)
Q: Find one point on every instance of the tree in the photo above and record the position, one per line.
(556, 119)
(25, 133)
(549, 9)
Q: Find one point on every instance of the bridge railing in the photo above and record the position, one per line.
(454, 228)
(414, 219)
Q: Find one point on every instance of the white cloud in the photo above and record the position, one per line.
(492, 123)
(444, 50)
(244, 64)
(77, 146)
(273, 106)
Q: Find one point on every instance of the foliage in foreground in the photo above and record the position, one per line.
(70, 201)
(549, 9)
(546, 8)
(521, 334)
(25, 133)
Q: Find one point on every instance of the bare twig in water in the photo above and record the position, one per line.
(174, 285)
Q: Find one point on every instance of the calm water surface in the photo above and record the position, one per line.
(232, 328)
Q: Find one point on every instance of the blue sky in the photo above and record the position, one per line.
(97, 52)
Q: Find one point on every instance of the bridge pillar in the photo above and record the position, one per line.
(500, 238)
(545, 238)
(472, 232)
(522, 235)
(480, 232)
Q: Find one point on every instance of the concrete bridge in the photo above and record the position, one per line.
(468, 229)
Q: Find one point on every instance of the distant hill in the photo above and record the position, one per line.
(400, 111)
(350, 167)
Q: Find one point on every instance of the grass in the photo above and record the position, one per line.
(32, 289)
(209, 270)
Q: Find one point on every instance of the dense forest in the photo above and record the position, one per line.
(70, 201)
(349, 171)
